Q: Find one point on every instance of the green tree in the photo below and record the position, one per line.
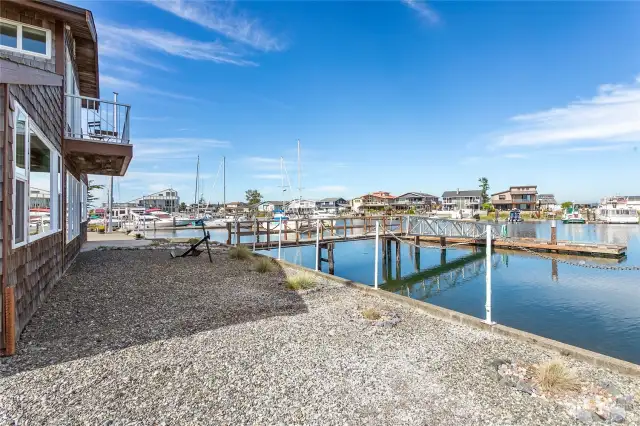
(183, 206)
(253, 196)
(566, 204)
(91, 198)
(488, 207)
(484, 187)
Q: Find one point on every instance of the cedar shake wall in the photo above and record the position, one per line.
(43, 104)
(31, 271)
(26, 16)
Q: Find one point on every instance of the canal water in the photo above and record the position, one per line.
(591, 308)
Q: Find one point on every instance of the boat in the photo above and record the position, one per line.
(162, 219)
(323, 215)
(615, 212)
(514, 216)
(572, 215)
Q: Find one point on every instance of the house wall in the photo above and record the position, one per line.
(20, 14)
(29, 272)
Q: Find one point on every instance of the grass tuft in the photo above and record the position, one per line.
(193, 241)
(372, 314)
(240, 253)
(264, 264)
(555, 377)
(300, 282)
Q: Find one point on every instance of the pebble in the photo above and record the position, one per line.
(183, 341)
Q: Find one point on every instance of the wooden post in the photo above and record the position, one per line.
(344, 227)
(297, 234)
(443, 257)
(417, 255)
(330, 257)
(321, 230)
(332, 227)
(398, 249)
(237, 233)
(364, 226)
(257, 225)
(319, 260)
(268, 233)
(554, 233)
(389, 249)
(384, 250)
(228, 233)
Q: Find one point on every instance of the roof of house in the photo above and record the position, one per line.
(523, 186)
(330, 199)
(417, 194)
(501, 192)
(278, 203)
(467, 193)
(547, 198)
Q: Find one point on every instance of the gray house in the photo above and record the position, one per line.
(459, 200)
(416, 200)
(331, 205)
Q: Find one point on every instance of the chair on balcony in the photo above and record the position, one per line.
(94, 131)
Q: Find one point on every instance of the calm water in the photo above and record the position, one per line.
(594, 309)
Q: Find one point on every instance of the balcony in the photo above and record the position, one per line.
(97, 135)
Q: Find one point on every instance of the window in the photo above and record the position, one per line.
(502, 197)
(74, 206)
(83, 202)
(36, 205)
(23, 38)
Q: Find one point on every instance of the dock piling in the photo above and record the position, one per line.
(554, 233)
(375, 261)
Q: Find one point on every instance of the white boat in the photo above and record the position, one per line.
(323, 215)
(622, 215)
(572, 215)
(165, 220)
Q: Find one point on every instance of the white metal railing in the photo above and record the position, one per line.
(96, 119)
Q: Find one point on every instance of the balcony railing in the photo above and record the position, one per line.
(97, 120)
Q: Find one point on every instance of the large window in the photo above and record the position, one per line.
(23, 38)
(36, 205)
(76, 205)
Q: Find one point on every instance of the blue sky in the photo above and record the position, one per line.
(398, 96)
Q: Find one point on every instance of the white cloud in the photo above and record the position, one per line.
(270, 177)
(127, 42)
(514, 156)
(263, 163)
(611, 116)
(423, 10)
(222, 18)
(599, 148)
(119, 83)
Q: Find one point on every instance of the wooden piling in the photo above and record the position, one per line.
(331, 259)
(237, 233)
(344, 227)
(257, 225)
(554, 234)
(398, 251)
(228, 233)
(268, 233)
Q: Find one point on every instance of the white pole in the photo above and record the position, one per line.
(375, 261)
(487, 305)
(317, 244)
(407, 231)
(280, 237)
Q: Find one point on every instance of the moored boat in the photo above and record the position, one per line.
(572, 215)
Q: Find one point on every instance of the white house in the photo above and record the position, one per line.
(301, 206)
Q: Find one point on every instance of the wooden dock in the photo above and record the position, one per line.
(302, 232)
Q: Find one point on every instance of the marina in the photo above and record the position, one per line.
(572, 299)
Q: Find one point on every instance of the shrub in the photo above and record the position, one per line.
(372, 314)
(554, 377)
(240, 253)
(300, 282)
(193, 241)
(264, 264)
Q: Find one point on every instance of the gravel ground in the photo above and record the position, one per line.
(130, 337)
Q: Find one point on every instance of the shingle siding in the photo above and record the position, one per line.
(18, 14)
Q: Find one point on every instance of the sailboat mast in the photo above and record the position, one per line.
(299, 175)
(282, 177)
(197, 180)
(224, 182)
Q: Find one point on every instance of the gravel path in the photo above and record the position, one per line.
(129, 337)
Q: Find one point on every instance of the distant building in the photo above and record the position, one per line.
(270, 206)
(167, 199)
(39, 198)
(416, 200)
(301, 206)
(547, 202)
(373, 201)
(460, 200)
(236, 207)
(516, 197)
(332, 205)
(630, 201)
